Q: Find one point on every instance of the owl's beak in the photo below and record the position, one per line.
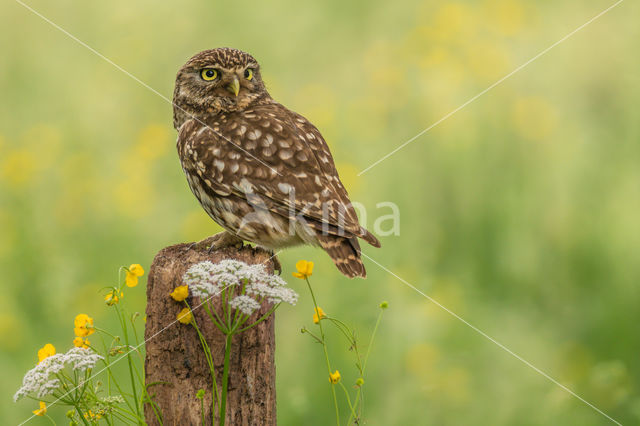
(234, 86)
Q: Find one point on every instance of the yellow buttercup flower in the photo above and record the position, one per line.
(180, 293)
(185, 316)
(83, 325)
(334, 377)
(318, 315)
(46, 351)
(133, 272)
(112, 298)
(305, 269)
(42, 410)
(90, 415)
(78, 342)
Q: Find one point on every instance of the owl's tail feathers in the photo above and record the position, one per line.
(345, 253)
(369, 237)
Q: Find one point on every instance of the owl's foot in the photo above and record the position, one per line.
(216, 242)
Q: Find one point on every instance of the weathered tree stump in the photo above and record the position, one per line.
(175, 364)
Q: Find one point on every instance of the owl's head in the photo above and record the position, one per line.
(216, 80)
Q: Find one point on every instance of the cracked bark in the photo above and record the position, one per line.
(175, 364)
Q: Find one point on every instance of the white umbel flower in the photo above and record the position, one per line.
(39, 381)
(246, 304)
(208, 279)
(200, 280)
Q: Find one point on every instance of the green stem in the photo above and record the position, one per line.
(129, 416)
(85, 386)
(326, 353)
(124, 412)
(226, 311)
(349, 335)
(81, 416)
(346, 394)
(355, 405)
(115, 382)
(375, 330)
(108, 420)
(154, 407)
(101, 330)
(216, 321)
(106, 358)
(209, 356)
(123, 418)
(123, 323)
(237, 311)
(258, 321)
(225, 379)
(133, 326)
(364, 365)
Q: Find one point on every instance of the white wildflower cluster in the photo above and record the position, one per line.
(40, 381)
(105, 405)
(113, 399)
(207, 279)
(246, 304)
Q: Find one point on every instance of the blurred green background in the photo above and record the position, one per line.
(519, 213)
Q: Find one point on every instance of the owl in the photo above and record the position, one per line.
(261, 171)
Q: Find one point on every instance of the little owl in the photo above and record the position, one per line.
(262, 172)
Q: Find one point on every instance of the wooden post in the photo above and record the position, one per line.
(175, 364)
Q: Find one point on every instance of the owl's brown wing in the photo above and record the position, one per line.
(276, 155)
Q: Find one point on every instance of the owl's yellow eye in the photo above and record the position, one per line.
(248, 73)
(209, 74)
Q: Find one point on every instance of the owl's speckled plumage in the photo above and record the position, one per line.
(261, 171)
